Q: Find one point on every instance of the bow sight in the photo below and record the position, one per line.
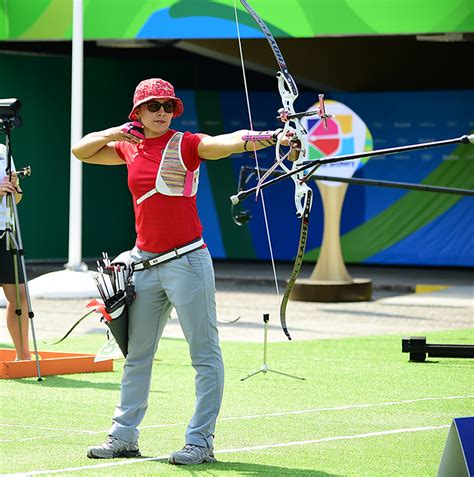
(9, 112)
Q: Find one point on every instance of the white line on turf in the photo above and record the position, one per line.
(236, 418)
(29, 426)
(236, 450)
(347, 407)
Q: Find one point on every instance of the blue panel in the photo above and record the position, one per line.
(448, 240)
(465, 428)
(397, 119)
(353, 210)
(209, 218)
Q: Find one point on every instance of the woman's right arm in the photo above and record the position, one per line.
(98, 147)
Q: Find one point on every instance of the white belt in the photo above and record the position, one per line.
(166, 256)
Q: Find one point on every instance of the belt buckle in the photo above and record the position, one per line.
(146, 264)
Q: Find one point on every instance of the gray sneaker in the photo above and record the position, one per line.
(192, 454)
(114, 447)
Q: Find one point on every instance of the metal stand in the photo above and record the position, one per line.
(265, 369)
(15, 245)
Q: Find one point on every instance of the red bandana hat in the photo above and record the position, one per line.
(155, 88)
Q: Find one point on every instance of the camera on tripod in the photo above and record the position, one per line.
(9, 112)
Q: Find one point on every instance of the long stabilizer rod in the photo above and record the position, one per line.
(466, 139)
(375, 182)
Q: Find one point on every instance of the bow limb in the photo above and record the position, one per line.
(298, 261)
(276, 51)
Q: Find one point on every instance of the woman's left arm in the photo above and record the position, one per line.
(223, 145)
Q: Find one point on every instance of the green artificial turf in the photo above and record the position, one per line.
(353, 387)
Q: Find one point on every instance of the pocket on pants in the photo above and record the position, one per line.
(200, 263)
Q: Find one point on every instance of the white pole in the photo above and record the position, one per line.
(75, 184)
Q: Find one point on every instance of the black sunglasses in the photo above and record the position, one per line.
(154, 106)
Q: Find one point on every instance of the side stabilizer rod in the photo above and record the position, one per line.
(466, 139)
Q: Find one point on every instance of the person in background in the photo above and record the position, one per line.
(172, 265)
(17, 327)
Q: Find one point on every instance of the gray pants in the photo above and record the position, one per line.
(186, 283)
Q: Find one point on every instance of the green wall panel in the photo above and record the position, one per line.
(43, 85)
(125, 19)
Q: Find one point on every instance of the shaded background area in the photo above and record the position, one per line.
(369, 63)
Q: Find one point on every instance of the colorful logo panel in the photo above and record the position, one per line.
(345, 133)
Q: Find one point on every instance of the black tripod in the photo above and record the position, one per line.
(14, 244)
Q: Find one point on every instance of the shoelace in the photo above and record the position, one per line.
(189, 448)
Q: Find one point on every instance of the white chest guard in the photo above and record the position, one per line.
(173, 178)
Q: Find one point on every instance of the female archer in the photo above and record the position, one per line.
(172, 265)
